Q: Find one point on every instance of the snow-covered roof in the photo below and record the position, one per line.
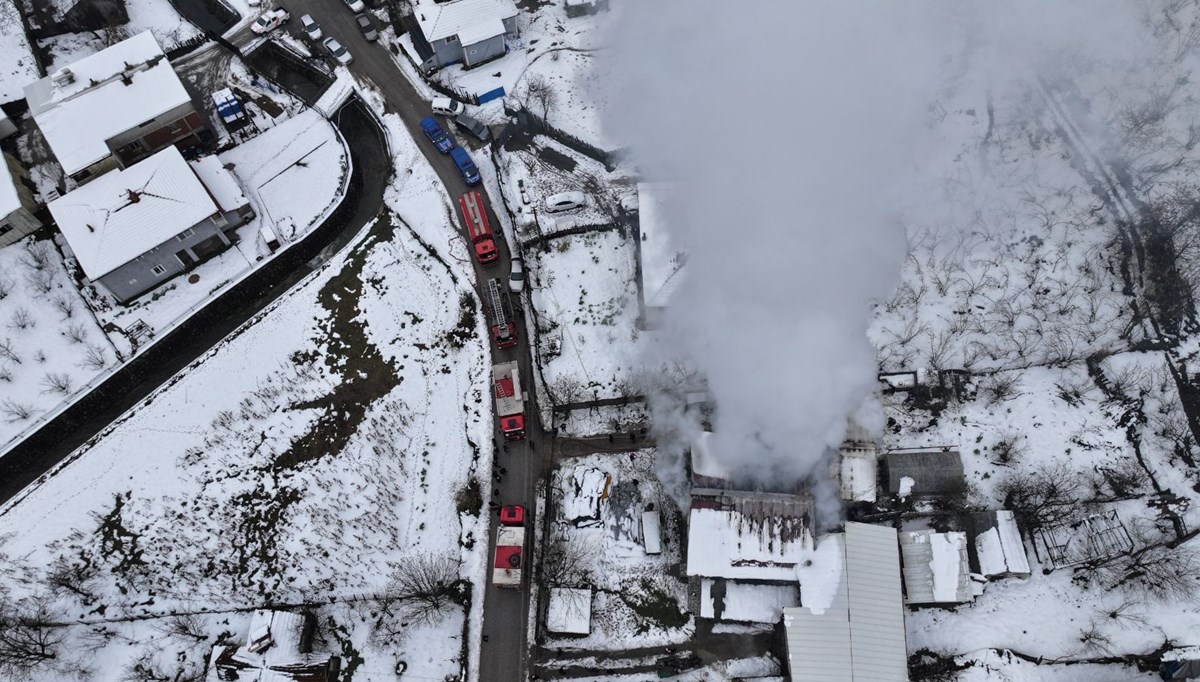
(569, 611)
(747, 603)
(220, 182)
(998, 547)
(78, 117)
(9, 199)
(472, 21)
(932, 472)
(857, 634)
(748, 540)
(936, 570)
(662, 263)
(856, 471)
(585, 487)
(284, 659)
(123, 214)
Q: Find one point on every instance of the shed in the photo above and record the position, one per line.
(652, 532)
(995, 549)
(569, 611)
(936, 569)
(929, 473)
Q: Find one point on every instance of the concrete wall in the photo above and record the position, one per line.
(137, 276)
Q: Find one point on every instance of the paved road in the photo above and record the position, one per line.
(55, 441)
(505, 649)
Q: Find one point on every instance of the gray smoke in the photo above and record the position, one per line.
(798, 131)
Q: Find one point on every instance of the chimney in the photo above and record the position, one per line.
(62, 77)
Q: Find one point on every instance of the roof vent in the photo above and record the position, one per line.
(62, 77)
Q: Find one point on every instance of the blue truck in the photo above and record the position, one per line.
(436, 135)
(229, 108)
(465, 166)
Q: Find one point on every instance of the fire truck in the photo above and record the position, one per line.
(498, 307)
(510, 547)
(510, 401)
(474, 213)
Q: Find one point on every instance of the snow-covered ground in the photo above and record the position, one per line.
(51, 347)
(597, 504)
(20, 68)
(156, 16)
(308, 458)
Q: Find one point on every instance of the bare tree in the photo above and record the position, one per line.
(14, 411)
(21, 319)
(65, 306)
(567, 389)
(8, 350)
(6, 285)
(539, 92)
(1160, 571)
(74, 576)
(425, 588)
(568, 563)
(36, 256)
(95, 358)
(1009, 447)
(56, 382)
(1043, 496)
(75, 333)
(41, 281)
(187, 626)
(30, 639)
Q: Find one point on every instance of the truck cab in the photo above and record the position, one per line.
(462, 160)
(479, 231)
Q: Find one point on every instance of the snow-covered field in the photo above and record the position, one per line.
(308, 458)
(51, 347)
(20, 68)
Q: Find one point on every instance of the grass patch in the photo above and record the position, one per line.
(469, 498)
(654, 607)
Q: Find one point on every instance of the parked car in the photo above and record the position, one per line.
(448, 107)
(516, 276)
(462, 160)
(474, 126)
(356, 5)
(368, 29)
(436, 135)
(341, 54)
(270, 20)
(311, 28)
(566, 201)
(229, 108)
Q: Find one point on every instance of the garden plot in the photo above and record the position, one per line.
(317, 456)
(51, 346)
(585, 293)
(294, 175)
(596, 542)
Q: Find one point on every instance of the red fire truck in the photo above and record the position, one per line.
(510, 401)
(510, 547)
(499, 311)
(474, 213)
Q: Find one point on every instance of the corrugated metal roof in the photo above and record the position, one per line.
(935, 568)
(934, 472)
(125, 213)
(878, 646)
(860, 636)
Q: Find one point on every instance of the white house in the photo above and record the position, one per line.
(133, 229)
(850, 624)
(113, 108)
(17, 204)
(466, 31)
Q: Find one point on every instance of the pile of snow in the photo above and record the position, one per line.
(569, 611)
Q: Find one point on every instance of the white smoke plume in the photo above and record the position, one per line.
(797, 131)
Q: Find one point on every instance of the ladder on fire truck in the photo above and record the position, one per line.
(499, 318)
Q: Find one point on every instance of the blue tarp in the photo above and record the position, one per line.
(491, 95)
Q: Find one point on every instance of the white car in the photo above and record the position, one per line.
(341, 54)
(269, 21)
(310, 26)
(448, 107)
(516, 276)
(356, 5)
(566, 201)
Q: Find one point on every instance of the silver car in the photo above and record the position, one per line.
(474, 126)
(516, 276)
(310, 26)
(340, 53)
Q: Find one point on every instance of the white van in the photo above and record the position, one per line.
(448, 107)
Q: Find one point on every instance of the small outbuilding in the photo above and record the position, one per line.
(935, 472)
(936, 569)
(995, 549)
(569, 611)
